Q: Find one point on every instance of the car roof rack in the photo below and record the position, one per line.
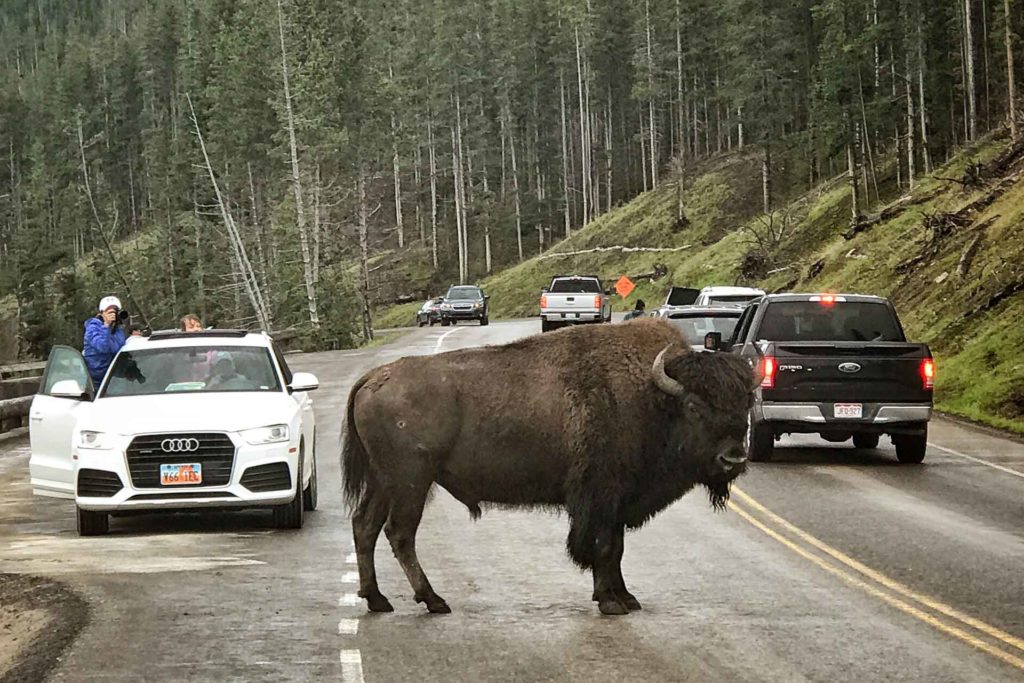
(201, 334)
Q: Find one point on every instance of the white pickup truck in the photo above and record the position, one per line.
(574, 299)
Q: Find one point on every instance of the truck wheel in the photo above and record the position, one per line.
(92, 523)
(865, 441)
(545, 326)
(760, 442)
(484, 321)
(910, 448)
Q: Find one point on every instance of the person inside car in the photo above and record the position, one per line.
(225, 376)
(104, 336)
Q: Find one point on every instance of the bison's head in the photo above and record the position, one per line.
(714, 393)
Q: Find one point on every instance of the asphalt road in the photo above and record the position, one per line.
(829, 565)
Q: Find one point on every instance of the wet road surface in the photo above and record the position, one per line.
(831, 564)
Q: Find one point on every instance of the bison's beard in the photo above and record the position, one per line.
(718, 494)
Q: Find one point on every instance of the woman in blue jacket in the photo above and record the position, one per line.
(104, 337)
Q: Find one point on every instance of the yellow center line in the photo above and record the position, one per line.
(901, 605)
(882, 579)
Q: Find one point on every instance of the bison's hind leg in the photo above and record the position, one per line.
(403, 520)
(367, 520)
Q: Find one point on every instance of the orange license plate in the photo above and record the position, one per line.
(176, 475)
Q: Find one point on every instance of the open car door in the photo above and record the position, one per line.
(681, 296)
(52, 418)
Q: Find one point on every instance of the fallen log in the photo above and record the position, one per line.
(619, 248)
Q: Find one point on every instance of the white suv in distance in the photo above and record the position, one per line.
(211, 419)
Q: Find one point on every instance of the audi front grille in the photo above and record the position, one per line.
(215, 452)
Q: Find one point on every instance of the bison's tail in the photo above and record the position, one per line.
(355, 461)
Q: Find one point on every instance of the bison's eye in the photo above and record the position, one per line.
(694, 406)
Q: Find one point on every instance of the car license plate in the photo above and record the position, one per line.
(848, 410)
(175, 475)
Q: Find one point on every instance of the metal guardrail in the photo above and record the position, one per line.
(15, 370)
(18, 384)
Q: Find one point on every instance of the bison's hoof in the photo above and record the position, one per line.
(378, 603)
(612, 607)
(631, 603)
(438, 606)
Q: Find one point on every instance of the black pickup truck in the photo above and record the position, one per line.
(837, 365)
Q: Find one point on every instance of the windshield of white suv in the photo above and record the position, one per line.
(462, 293)
(191, 369)
(575, 287)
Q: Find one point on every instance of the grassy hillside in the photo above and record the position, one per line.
(950, 255)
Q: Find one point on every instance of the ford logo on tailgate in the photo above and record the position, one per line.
(849, 367)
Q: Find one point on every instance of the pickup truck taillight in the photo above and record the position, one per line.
(543, 300)
(928, 373)
(768, 368)
(597, 301)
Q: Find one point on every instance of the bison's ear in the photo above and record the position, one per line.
(669, 385)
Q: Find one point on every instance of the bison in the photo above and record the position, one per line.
(609, 423)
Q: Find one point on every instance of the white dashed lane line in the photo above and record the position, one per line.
(350, 577)
(348, 627)
(350, 658)
(351, 666)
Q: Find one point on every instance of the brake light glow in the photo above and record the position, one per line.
(827, 299)
(928, 373)
(768, 367)
(543, 300)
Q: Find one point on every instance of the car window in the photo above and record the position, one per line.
(743, 327)
(65, 363)
(576, 287)
(695, 327)
(457, 293)
(285, 370)
(732, 298)
(853, 321)
(191, 369)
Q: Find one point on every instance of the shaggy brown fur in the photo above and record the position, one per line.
(570, 419)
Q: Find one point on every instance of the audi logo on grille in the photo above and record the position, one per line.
(179, 445)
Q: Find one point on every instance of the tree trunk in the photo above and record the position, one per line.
(972, 113)
(680, 108)
(432, 158)
(766, 179)
(515, 185)
(584, 142)
(608, 154)
(921, 106)
(910, 122)
(1011, 83)
(867, 140)
(851, 165)
(652, 126)
(417, 181)
(317, 227)
(397, 174)
(565, 160)
(461, 187)
(300, 209)
(364, 255)
(258, 230)
(984, 52)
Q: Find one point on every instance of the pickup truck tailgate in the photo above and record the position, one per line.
(854, 372)
(572, 302)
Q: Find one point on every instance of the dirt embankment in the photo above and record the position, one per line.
(39, 618)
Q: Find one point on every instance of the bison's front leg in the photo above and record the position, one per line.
(620, 583)
(610, 592)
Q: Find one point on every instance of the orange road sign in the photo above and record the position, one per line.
(624, 286)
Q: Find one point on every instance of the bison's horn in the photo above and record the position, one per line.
(670, 386)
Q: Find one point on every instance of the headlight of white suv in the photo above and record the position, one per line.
(99, 441)
(264, 435)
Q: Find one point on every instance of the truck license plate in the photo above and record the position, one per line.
(848, 410)
(176, 475)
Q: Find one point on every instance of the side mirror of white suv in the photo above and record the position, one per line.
(303, 381)
(68, 388)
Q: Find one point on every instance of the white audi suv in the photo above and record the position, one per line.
(182, 420)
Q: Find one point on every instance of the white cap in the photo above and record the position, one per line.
(108, 301)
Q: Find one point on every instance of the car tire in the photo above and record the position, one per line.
(309, 494)
(484, 321)
(420, 324)
(545, 326)
(444, 322)
(92, 523)
(760, 442)
(865, 441)
(910, 448)
(290, 515)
